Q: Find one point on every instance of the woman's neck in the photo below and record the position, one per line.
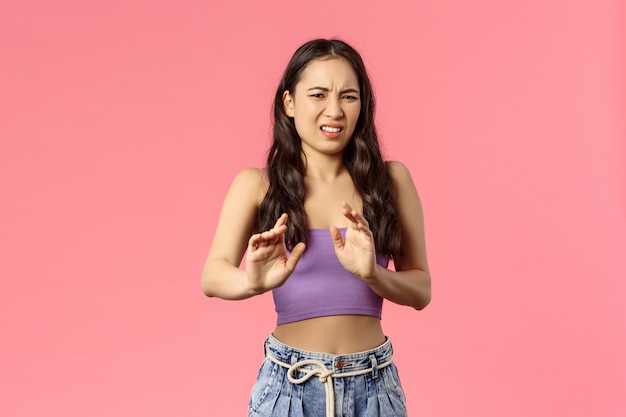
(327, 168)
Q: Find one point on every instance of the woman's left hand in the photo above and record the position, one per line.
(357, 253)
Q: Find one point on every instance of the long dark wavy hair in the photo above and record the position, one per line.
(362, 157)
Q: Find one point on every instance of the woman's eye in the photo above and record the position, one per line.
(351, 98)
(317, 95)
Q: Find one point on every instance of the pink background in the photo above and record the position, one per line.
(123, 122)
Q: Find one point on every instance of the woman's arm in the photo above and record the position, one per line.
(267, 265)
(410, 283)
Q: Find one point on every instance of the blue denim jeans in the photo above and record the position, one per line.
(297, 383)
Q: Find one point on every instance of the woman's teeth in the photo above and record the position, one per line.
(331, 129)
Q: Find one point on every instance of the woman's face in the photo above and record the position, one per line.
(325, 105)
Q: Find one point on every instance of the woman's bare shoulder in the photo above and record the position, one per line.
(251, 182)
(252, 173)
(399, 173)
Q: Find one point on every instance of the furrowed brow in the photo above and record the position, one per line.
(347, 90)
(318, 88)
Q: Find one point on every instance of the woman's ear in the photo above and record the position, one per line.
(288, 104)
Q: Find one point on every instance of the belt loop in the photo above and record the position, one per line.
(374, 366)
(294, 360)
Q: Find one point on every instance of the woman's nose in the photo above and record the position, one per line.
(333, 108)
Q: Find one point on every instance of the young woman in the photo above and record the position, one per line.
(318, 227)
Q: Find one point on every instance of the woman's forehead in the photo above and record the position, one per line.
(330, 72)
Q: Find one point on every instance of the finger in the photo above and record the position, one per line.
(269, 238)
(355, 217)
(273, 234)
(363, 223)
(282, 221)
(268, 235)
(262, 239)
(335, 235)
(348, 215)
(295, 256)
(253, 242)
(348, 212)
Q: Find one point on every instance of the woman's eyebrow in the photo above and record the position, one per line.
(325, 89)
(318, 88)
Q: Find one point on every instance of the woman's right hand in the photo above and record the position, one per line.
(267, 263)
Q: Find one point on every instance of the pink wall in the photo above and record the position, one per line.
(123, 122)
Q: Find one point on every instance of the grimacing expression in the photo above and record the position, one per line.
(325, 105)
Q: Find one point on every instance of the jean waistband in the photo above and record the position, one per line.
(337, 363)
(326, 366)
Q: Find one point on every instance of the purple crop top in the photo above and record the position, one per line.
(320, 286)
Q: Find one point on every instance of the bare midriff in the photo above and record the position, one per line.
(337, 335)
